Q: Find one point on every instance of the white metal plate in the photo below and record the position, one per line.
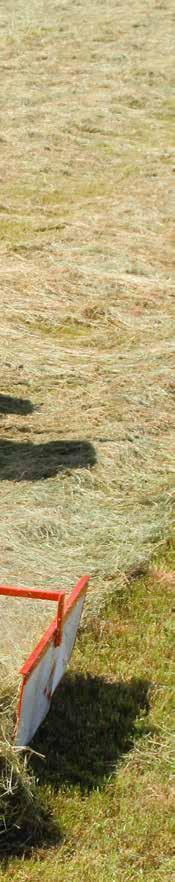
(38, 689)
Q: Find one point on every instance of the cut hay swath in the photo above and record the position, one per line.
(44, 668)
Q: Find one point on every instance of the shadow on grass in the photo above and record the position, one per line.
(35, 462)
(21, 406)
(90, 725)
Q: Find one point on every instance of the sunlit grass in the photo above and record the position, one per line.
(104, 757)
(87, 339)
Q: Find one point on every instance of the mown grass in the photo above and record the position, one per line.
(87, 391)
(104, 757)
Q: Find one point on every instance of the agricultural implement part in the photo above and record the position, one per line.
(45, 667)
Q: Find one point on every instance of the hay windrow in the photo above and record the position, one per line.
(87, 303)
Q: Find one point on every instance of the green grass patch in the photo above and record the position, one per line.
(99, 786)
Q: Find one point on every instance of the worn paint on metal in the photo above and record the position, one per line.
(46, 665)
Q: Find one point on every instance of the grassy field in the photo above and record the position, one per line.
(103, 804)
(86, 414)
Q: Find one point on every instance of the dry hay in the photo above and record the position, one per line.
(87, 334)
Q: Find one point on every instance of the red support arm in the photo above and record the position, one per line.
(31, 593)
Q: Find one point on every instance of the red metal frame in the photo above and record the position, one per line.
(60, 612)
(75, 593)
(49, 635)
(30, 593)
(51, 632)
(54, 631)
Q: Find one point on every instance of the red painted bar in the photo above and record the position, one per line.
(33, 593)
(52, 631)
(36, 653)
(77, 590)
(60, 612)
